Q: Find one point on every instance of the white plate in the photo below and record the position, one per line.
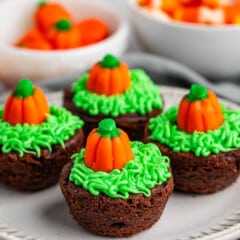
(44, 214)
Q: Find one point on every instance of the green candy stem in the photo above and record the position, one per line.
(24, 89)
(42, 3)
(197, 92)
(107, 128)
(63, 25)
(110, 61)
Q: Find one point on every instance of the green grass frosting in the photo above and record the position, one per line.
(164, 130)
(142, 96)
(148, 169)
(59, 126)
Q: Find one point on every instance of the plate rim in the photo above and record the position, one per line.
(222, 229)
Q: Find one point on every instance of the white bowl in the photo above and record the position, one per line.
(213, 51)
(17, 63)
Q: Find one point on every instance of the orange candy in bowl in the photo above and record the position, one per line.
(55, 28)
(207, 43)
(60, 46)
(197, 11)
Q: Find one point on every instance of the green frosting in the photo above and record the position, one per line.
(63, 25)
(110, 61)
(197, 92)
(164, 129)
(24, 89)
(148, 169)
(59, 126)
(108, 128)
(141, 97)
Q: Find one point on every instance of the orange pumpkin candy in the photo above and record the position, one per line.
(33, 39)
(48, 13)
(170, 6)
(93, 30)
(189, 14)
(199, 111)
(63, 35)
(145, 3)
(107, 147)
(27, 104)
(109, 77)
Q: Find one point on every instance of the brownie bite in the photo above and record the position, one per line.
(36, 140)
(30, 172)
(203, 174)
(117, 191)
(202, 140)
(111, 90)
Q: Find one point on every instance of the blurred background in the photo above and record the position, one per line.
(172, 54)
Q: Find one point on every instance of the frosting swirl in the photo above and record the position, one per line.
(140, 175)
(140, 98)
(59, 126)
(164, 129)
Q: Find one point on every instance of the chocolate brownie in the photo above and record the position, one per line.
(114, 217)
(201, 138)
(30, 172)
(133, 123)
(202, 174)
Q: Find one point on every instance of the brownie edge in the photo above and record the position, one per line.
(133, 123)
(32, 173)
(114, 217)
(202, 174)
